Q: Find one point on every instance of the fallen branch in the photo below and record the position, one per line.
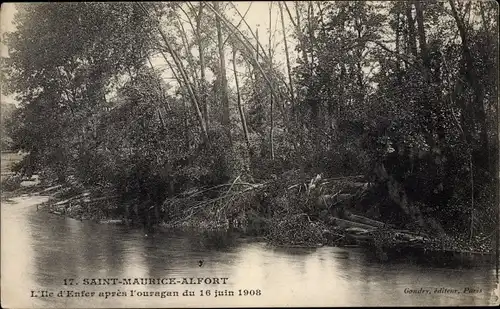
(195, 193)
(213, 201)
(346, 223)
(101, 199)
(66, 201)
(365, 220)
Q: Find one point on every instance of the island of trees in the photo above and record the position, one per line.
(180, 114)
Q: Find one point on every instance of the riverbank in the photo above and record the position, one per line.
(291, 210)
(311, 214)
(286, 213)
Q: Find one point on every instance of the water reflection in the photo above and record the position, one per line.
(43, 249)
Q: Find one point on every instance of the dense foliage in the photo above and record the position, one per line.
(404, 93)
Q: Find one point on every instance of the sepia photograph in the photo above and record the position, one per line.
(189, 154)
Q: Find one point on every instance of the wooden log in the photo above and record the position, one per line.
(103, 198)
(356, 230)
(111, 221)
(408, 237)
(327, 200)
(47, 190)
(51, 188)
(86, 199)
(365, 220)
(415, 234)
(63, 202)
(346, 224)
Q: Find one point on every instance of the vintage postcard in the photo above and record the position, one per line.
(249, 154)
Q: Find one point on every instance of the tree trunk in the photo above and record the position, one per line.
(476, 109)
(421, 33)
(310, 17)
(201, 51)
(298, 29)
(185, 79)
(398, 39)
(223, 78)
(187, 84)
(271, 96)
(240, 108)
(189, 55)
(247, 45)
(287, 55)
(257, 44)
(412, 44)
(398, 195)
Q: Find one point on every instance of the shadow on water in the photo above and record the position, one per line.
(215, 240)
(430, 258)
(393, 277)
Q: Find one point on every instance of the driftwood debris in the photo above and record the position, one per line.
(368, 221)
(85, 199)
(49, 189)
(66, 201)
(342, 223)
(356, 230)
(112, 221)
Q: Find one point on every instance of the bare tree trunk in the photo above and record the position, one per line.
(192, 95)
(255, 86)
(484, 20)
(223, 78)
(254, 35)
(298, 29)
(186, 127)
(471, 225)
(310, 17)
(240, 107)
(412, 43)
(257, 44)
(201, 51)
(271, 97)
(398, 39)
(189, 55)
(182, 71)
(247, 45)
(287, 55)
(321, 18)
(421, 33)
(477, 109)
(359, 54)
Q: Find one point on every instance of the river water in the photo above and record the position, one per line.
(40, 250)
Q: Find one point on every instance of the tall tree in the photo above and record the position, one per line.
(222, 73)
(287, 55)
(240, 107)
